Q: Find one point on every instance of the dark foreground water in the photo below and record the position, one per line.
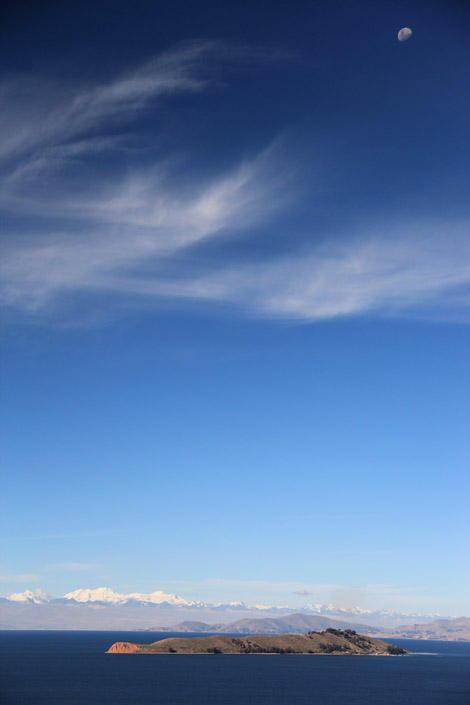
(71, 668)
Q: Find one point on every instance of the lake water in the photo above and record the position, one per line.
(71, 668)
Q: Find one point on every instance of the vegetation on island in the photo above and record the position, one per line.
(330, 641)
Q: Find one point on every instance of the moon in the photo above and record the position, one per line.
(404, 34)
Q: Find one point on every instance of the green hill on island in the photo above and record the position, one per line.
(331, 641)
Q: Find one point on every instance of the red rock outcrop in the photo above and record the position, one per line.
(123, 647)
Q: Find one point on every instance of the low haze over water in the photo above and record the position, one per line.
(71, 668)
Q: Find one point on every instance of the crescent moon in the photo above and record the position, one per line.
(404, 34)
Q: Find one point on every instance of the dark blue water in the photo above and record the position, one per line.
(71, 668)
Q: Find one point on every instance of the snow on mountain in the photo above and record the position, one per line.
(37, 597)
(107, 596)
(158, 598)
(331, 609)
(375, 617)
(341, 611)
(102, 594)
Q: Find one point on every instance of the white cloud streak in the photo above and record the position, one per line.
(108, 233)
(41, 113)
(385, 275)
(137, 223)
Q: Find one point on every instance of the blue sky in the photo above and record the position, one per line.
(235, 301)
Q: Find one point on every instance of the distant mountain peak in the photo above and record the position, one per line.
(38, 597)
(101, 594)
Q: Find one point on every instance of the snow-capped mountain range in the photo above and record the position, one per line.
(107, 597)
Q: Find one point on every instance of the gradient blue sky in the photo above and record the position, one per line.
(235, 301)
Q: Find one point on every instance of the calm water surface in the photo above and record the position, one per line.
(71, 668)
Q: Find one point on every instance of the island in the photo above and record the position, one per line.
(330, 641)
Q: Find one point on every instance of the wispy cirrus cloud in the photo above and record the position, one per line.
(132, 230)
(386, 276)
(412, 266)
(43, 113)
(89, 227)
(129, 226)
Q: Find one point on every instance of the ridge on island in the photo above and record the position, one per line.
(331, 641)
